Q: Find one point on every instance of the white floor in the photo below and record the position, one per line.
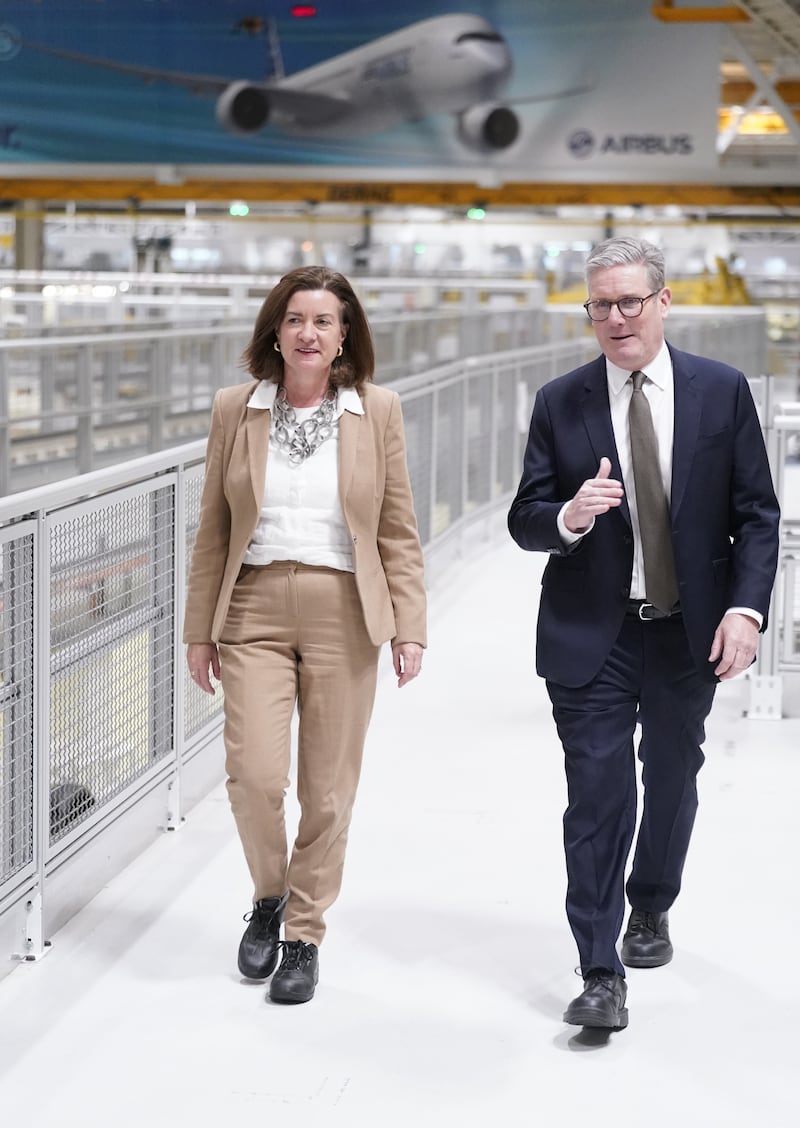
(448, 960)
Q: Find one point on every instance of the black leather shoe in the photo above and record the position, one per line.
(646, 941)
(296, 978)
(602, 1002)
(258, 949)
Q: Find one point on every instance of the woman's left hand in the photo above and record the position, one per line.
(407, 659)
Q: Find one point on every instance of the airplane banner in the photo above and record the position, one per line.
(572, 90)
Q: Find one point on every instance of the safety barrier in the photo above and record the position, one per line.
(779, 652)
(71, 404)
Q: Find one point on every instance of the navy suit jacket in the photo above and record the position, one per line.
(724, 513)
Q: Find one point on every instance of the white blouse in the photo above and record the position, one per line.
(301, 514)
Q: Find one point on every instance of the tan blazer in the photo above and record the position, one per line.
(376, 501)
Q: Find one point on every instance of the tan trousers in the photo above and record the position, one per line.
(295, 635)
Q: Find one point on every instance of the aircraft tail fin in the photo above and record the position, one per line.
(276, 68)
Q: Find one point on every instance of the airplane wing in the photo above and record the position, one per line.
(292, 104)
(197, 83)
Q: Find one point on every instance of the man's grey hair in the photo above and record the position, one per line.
(623, 250)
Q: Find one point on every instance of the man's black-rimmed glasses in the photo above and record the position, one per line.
(600, 310)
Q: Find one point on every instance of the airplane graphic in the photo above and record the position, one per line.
(456, 64)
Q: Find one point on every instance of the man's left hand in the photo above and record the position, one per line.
(735, 644)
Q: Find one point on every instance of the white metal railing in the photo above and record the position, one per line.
(46, 298)
(104, 742)
(70, 404)
(779, 652)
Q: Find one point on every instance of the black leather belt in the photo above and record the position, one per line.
(648, 612)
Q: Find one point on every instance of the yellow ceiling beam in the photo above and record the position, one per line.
(131, 192)
(668, 13)
(737, 92)
(758, 123)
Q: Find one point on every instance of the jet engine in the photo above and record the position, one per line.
(243, 108)
(488, 128)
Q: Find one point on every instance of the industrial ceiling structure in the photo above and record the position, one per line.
(759, 76)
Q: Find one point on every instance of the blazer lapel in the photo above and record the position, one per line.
(348, 448)
(257, 424)
(688, 405)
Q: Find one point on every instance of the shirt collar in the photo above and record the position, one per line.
(659, 370)
(347, 399)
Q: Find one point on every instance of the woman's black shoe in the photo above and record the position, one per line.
(296, 978)
(258, 950)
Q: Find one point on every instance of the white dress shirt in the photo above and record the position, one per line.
(301, 514)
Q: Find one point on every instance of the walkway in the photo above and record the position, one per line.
(448, 960)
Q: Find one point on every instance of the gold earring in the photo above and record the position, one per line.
(276, 346)
(341, 350)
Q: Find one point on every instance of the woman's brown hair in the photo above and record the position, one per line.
(353, 368)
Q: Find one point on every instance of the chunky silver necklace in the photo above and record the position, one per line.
(300, 440)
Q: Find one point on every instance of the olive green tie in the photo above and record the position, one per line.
(651, 503)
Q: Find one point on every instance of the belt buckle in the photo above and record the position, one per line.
(645, 607)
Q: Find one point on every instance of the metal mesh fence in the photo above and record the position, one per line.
(111, 636)
(16, 705)
(199, 708)
(480, 396)
(466, 428)
(448, 456)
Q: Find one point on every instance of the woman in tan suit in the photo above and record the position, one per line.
(307, 559)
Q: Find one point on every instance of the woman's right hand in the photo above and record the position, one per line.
(199, 656)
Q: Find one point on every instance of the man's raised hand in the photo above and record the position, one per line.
(597, 495)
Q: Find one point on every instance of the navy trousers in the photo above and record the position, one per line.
(649, 677)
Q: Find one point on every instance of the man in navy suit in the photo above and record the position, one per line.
(610, 655)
